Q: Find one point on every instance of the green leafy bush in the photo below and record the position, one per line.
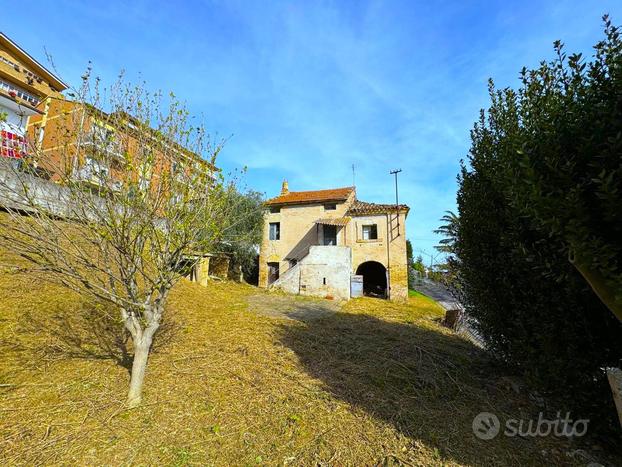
(540, 231)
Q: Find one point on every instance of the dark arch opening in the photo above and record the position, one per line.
(374, 279)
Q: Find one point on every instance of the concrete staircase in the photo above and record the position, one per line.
(323, 272)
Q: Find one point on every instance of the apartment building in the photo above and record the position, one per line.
(26, 89)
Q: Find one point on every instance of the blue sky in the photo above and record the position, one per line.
(305, 89)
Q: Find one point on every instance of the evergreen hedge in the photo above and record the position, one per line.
(540, 226)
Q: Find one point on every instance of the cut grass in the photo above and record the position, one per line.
(377, 383)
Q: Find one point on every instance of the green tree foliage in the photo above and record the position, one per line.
(418, 265)
(449, 230)
(244, 236)
(409, 253)
(539, 213)
(413, 265)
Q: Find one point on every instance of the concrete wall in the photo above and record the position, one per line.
(22, 191)
(324, 272)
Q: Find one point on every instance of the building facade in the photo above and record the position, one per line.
(26, 88)
(328, 243)
(112, 147)
(52, 139)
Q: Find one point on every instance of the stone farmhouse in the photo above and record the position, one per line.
(327, 243)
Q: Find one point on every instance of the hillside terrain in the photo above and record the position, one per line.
(242, 377)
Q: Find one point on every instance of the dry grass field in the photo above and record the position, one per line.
(373, 383)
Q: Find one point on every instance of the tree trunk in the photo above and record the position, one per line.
(597, 282)
(615, 380)
(139, 366)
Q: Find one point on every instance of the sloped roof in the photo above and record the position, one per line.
(361, 208)
(338, 221)
(306, 197)
(22, 55)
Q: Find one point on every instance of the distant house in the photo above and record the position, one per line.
(328, 243)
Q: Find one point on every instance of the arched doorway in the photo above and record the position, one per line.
(374, 278)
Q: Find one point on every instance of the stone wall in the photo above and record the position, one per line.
(219, 267)
(392, 257)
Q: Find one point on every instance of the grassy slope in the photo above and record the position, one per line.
(415, 293)
(377, 383)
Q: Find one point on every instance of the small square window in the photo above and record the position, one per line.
(330, 207)
(275, 210)
(370, 232)
(275, 230)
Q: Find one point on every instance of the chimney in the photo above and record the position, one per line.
(284, 188)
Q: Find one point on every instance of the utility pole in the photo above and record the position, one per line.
(397, 202)
(432, 257)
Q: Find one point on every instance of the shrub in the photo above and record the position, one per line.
(542, 189)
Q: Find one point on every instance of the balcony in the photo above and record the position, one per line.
(93, 172)
(17, 92)
(104, 142)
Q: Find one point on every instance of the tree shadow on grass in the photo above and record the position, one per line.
(427, 383)
(85, 330)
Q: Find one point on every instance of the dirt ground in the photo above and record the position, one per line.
(277, 305)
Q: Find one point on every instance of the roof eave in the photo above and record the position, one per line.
(377, 212)
(58, 84)
(272, 202)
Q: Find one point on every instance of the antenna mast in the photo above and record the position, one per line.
(397, 202)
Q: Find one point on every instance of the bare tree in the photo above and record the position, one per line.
(132, 196)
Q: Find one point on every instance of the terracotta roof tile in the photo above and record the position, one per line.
(318, 196)
(339, 221)
(362, 208)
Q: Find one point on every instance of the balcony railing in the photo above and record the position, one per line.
(95, 141)
(93, 173)
(16, 91)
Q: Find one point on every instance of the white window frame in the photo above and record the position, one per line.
(367, 231)
(274, 231)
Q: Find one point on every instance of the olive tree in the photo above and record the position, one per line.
(133, 195)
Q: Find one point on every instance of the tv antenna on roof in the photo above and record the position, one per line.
(353, 176)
